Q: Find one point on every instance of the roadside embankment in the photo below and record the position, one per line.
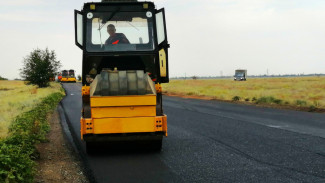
(33, 147)
(17, 150)
(57, 161)
(17, 98)
(299, 93)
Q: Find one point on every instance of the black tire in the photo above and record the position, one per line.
(156, 145)
(87, 111)
(90, 148)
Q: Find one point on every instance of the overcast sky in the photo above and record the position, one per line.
(206, 36)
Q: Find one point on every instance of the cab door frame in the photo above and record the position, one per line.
(162, 46)
(79, 29)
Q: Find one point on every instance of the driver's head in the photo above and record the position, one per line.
(111, 29)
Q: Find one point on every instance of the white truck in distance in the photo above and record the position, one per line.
(240, 75)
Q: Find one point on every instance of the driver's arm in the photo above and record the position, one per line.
(124, 39)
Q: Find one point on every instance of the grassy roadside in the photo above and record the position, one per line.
(299, 92)
(16, 98)
(28, 127)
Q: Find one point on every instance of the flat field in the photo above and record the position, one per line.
(16, 98)
(297, 91)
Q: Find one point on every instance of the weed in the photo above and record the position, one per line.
(190, 93)
(277, 101)
(301, 102)
(268, 100)
(236, 98)
(247, 99)
(316, 103)
(264, 100)
(312, 108)
(33, 91)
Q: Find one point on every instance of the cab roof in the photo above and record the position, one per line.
(123, 6)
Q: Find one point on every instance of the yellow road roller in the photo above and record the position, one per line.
(65, 76)
(68, 76)
(124, 62)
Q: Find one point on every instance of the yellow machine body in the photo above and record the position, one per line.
(64, 79)
(122, 114)
(68, 79)
(72, 79)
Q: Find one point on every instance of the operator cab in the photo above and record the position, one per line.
(71, 73)
(65, 73)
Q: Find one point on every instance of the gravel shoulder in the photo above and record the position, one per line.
(57, 162)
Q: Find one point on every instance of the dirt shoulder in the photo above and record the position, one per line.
(57, 162)
(278, 106)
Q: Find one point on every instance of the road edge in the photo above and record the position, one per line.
(72, 139)
(274, 106)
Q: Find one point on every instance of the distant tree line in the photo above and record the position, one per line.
(2, 78)
(249, 76)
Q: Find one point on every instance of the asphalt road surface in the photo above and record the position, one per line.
(211, 141)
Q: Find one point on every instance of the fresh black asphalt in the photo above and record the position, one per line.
(212, 141)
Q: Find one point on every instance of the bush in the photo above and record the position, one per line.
(16, 164)
(301, 102)
(268, 100)
(312, 108)
(39, 67)
(264, 100)
(277, 101)
(254, 99)
(190, 93)
(316, 103)
(247, 99)
(236, 98)
(17, 151)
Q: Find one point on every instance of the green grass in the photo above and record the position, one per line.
(268, 100)
(17, 150)
(16, 98)
(298, 91)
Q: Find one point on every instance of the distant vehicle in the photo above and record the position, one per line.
(240, 75)
(59, 76)
(72, 77)
(68, 76)
(71, 73)
(65, 76)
